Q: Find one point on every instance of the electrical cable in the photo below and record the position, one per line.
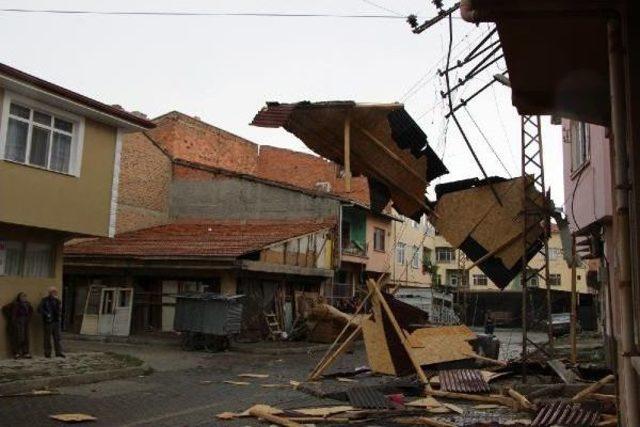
(379, 6)
(487, 141)
(219, 14)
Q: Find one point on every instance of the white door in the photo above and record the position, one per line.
(122, 311)
(106, 316)
(91, 311)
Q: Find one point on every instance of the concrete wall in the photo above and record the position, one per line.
(593, 194)
(411, 234)
(34, 287)
(379, 261)
(237, 198)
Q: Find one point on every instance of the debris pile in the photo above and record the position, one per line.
(420, 374)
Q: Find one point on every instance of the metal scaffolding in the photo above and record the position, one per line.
(535, 210)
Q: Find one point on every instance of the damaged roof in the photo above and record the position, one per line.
(387, 145)
(203, 239)
(556, 54)
(491, 235)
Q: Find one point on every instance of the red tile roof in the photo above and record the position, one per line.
(205, 239)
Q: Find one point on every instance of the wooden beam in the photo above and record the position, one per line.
(522, 401)
(501, 400)
(392, 155)
(263, 411)
(347, 153)
(326, 362)
(572, 325)
(592, 388)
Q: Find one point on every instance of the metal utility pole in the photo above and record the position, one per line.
(462, 283)
(535, 210)
(572, 332)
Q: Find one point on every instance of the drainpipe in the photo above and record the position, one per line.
(622, 278)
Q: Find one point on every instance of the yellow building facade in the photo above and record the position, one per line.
(59, 157)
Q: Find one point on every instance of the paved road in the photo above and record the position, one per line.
(174, 395)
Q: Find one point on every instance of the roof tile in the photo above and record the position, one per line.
(203, 239)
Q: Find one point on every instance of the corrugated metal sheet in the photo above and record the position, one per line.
(368, 398)
(463, 381)
(566, 413)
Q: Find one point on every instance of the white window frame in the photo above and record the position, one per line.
(442, 249)
(400, 249)
(77, 137)
(477, 278)
(415, 259)
(580, 145)
(558, 283)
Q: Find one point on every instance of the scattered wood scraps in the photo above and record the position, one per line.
(258, 376)
(73, 418)
(236, 382)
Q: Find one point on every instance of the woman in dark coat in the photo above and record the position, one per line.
(21, 312)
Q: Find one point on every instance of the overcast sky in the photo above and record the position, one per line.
(223, 69)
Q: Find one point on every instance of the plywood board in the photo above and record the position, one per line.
(377, 348)
(443, 344)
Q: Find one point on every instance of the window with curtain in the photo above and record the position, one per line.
(38, 260)
(400, 253)
(12, 259)
(580, 137)
(378, 239)
(38, 138)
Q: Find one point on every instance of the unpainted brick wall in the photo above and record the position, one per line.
(143, 190)
(191, 139)
(307, 170)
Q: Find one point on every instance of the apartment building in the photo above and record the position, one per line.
(59, 162)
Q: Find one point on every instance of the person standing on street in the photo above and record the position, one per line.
(21, 312)
(50, 309)
(489, 325)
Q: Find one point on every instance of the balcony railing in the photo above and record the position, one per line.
(355, 248)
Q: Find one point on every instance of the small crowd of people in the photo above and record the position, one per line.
(18, 314)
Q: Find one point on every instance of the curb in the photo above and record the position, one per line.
(71, 380)
(278, 351)
(121, 340)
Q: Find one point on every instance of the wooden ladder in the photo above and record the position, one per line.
(274, 326)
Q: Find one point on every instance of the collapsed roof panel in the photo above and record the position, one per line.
(386, 144)
(470, 218)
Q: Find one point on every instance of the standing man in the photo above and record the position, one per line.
(489, 324)
(50, 310)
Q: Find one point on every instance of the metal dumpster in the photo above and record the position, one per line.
(207, 320)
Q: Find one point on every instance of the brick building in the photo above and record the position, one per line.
(366, 239)
(192, 216)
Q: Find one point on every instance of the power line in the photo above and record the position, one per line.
(379, 6)
(220, 14)
(487, 141)
(420, 83)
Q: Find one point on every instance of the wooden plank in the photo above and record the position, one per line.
(593, 388)
(266, 413)
(347, 153)
(501, 400)
(522, 401)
